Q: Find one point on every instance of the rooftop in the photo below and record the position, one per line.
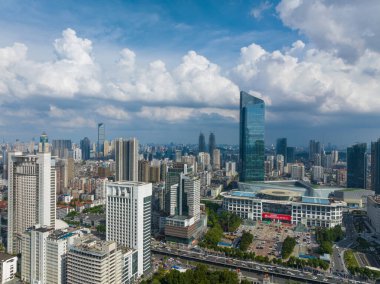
(5, 256)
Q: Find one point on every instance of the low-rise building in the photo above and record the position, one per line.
(8, 267)
(285, 206)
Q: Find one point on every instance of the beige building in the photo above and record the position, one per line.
(91, 261)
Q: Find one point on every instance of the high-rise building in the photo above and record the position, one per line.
(126, 157)
(297, 172)
(252, 119)
(62, 148)
(172, 177)
(230, 168)
(94, 261)
(31, 193)
(44, 253)
(202, 143)
(178, 156)
(216, 159)
(356, 166)
(189, 196)
(290, 155)
(129, 218)
(144, 171)
(85, 146)
(281, 148)
(314, 149)
(204, 160)
(375, 167)
(101, 138)
(211, 146)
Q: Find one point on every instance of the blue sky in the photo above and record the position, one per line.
(165, 70)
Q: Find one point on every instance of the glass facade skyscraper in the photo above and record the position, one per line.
(375, 166)
(356, 166)
(252, 120)
(281, 148)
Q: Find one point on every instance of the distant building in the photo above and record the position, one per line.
(290, 154)
(62, 148)
(375, 166)
(314, 149)
(317, 173)
(356, 166)
(211, 146)
(281, 148)
(202, 143)
(216, 159)
(252, 119)
(8, 267)
(129, 219)
(126, 157)
(204, 160)
(230, 168)
(297, 172)
(101, 138)
(85, 146)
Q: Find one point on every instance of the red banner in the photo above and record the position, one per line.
(274, 216)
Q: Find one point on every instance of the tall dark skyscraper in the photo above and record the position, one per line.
(85, 146)
(101, 138)
(252, 123)
(375, 166)
(290, 154)
(314, 148)
(356, 166)
(202, 143)
(211, 146)
(281, 148)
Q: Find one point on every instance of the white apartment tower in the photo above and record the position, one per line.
(216, 159)
(126, 156)
(129, 218)
(31, 193)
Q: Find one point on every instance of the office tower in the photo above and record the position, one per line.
(154, 174)
(31, 193)
(216, 159)
(375, 166)
(335, 157)
(101, 138)
(356, 166)
(106, 148)
(144, 170)
(172, 178)
(61, 148)
(77, 154)
(189, 196)
(211, 146)
(204, 160)
(202, 143)
(129, 218)
(252, 119)
(281, 148)
(178, 156)
(317, 173)
(297, 172)
(126, 157)
(44, 253)
(290, 155)
(85, 146)
(230, 168)
(314, 149)
(94, 261)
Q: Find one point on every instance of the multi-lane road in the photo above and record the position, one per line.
(252, 267)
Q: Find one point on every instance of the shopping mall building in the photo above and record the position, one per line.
(284, 205)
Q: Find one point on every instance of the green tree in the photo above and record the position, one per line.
(287, 247)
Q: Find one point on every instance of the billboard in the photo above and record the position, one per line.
(281, 217)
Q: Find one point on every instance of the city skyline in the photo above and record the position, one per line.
(64, 75)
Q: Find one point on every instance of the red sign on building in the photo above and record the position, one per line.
(274, 216)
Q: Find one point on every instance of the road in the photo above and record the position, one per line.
(248, 266)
